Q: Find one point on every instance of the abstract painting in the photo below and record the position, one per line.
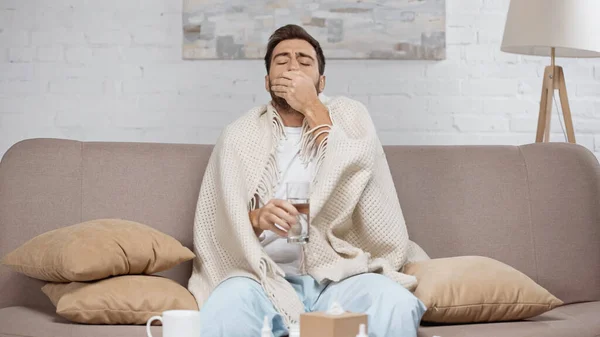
(346, 29)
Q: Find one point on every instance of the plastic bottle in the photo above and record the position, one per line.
(294, 330)
(362, 331)
(266, 329)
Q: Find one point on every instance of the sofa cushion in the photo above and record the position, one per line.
(472, 289)
(31, 322)
(95, 250)
(128, 299)
(579, 320)
(570, 320)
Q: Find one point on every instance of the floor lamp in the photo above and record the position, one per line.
(555, 28)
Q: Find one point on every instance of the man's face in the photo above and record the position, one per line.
(293, 55)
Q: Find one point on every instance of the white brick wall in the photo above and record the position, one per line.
(106, 70)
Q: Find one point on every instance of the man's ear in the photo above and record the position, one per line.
(321, 83)
(267, 83)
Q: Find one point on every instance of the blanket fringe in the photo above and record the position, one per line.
(267, 284)
(310, 150)
(270, 178)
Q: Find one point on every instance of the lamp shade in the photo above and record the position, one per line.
(533, 27)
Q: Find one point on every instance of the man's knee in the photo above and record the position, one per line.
(237, 298)
(381, 291)
(384, 292)
(393, 293)
(397, 308)
(382, 286)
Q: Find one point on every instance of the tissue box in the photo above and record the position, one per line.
(321, 324)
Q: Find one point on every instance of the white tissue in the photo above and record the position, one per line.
(335, 309)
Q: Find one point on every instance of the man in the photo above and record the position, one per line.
(245, 269)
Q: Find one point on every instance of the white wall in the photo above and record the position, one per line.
(106, 70)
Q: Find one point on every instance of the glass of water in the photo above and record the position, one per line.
(298, 194)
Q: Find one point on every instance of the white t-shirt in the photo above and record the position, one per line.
(287, 256)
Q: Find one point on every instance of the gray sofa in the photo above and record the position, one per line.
(535, 207)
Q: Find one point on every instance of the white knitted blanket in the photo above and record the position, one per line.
(357, 225)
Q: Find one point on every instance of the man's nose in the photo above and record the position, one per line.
(293, 65)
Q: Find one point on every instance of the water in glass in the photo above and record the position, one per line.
(298, 196)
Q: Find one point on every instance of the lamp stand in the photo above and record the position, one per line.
(554, 78)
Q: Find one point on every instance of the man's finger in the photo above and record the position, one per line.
(274, 219)
(282, 81)
(285, 216)
(286, 206)
(290, 75)
(278, 231)
(279, 88)
(282, 95)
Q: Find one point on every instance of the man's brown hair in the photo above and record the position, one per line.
(289, 32)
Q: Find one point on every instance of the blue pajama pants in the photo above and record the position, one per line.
(237, 307)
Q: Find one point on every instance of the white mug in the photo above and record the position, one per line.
(177, 323)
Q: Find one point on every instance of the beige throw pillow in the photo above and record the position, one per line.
(129, 299)
(95, 250)
(470, 289)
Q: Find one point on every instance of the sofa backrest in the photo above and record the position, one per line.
(535, 207)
